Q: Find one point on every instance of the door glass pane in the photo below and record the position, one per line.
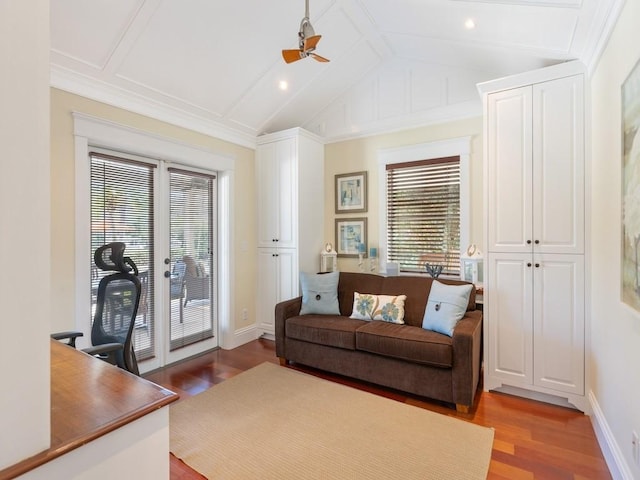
(122, 210)
(193, 262)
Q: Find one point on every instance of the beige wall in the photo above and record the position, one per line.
(63, 203)
(362, 154)
(614, 352)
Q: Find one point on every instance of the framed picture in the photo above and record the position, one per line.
(630, 268)
(351, 192)
(351, 236)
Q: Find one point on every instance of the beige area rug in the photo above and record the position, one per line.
(274, 423)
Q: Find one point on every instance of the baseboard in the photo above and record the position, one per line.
(240, 337)
(616, 462)
(569, 401)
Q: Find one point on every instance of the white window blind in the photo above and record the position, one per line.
(122, 210)
(423, 214)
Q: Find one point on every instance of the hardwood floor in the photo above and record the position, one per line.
(533, 440)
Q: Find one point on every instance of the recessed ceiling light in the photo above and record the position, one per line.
(469, 24)
(283, 85)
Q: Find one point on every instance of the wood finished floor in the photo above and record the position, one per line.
(533, 440)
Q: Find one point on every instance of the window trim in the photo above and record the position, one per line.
(461, 147)
(92, 132)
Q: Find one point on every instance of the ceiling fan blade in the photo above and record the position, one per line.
(319, 58)
(291, 55)
(311, 42)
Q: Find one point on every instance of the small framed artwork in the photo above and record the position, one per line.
(351, 236)
(351, 192)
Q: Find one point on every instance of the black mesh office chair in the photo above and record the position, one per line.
(117, 303)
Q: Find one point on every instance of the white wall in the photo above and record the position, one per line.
(615, 345)
(24, 228)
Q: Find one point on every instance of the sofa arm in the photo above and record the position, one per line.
(467, 358)
(284, 310)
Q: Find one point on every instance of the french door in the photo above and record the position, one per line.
(192, 304)
(166, 215)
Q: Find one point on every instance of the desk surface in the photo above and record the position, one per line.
(90, 398)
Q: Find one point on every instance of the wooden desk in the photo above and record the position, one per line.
(90, 398)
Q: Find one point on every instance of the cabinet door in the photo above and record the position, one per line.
(267, 175)
(287, 274)
(267, 289)
(509, 170)
(276, 174)
(559, 322)
(558, 163)
(287, 181)
(509, 318)
(278, 281)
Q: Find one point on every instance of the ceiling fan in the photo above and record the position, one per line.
(307, 41)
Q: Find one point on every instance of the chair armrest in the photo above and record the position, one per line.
(284, 310)
(106, 351)
(467, 357)
(71, 336)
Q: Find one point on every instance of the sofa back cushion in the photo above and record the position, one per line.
(416, 288)
(356, 282)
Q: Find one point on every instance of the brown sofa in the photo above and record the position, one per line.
(404, 357)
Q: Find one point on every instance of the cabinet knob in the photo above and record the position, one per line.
(537, 242)
(528, 242)
(528, 264)
(537, 265)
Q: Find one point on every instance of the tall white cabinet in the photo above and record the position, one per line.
(290, 192)
(535, 233)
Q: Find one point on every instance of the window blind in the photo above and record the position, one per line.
(192, 231)
(423, 214)
(122, 210)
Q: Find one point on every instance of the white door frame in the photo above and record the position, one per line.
(91, 132)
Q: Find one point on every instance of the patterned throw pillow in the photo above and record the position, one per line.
(387, 308)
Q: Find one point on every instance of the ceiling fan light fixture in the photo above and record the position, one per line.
(307, 41)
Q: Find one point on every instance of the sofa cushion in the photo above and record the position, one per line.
(446, 305)
(405, 342)
(351, 282)
(328, 330)
(387, 308)
(319, 293)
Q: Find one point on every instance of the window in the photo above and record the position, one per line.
(122, 211)
(425, 196)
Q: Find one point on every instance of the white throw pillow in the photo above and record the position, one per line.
(388, 308)
(446, 305)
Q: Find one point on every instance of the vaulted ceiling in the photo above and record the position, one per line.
(215, 66)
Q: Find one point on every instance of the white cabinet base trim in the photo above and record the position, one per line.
(576, 402)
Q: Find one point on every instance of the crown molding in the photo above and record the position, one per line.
(102, 92)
